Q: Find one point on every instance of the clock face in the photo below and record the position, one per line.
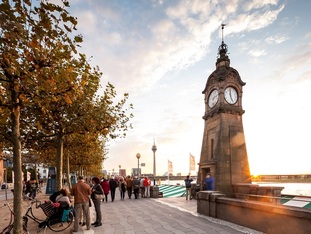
(213, 98)
(231, 95)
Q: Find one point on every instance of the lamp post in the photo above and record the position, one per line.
(138, 157)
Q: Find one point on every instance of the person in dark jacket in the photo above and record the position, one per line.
(136, 185)
(113, 185)
(97, 189)
(188, 181)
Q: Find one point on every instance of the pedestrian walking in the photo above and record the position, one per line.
(142, 187)
(188, 181)
(147, 184)
(113, 185)
(122, 188)
(106, 187)
(81, 192)
(97, 195)
(129, 186)
(136, 185)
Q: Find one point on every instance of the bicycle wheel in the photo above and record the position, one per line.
(57, 225)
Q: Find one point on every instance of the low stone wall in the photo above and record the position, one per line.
(271, 194)
(261, 216)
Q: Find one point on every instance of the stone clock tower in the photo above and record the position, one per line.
(223, 152)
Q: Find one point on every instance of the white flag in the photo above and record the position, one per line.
(192, 163)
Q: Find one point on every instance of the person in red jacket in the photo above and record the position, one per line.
(106, 187)
(147, 184)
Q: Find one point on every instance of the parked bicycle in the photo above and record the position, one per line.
(9, 228)
(55, 220)
(30, 211)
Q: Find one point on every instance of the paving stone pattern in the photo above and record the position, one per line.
(148, 215)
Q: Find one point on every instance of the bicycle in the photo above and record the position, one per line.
(54, 220)
(30, 214)
(9, 228)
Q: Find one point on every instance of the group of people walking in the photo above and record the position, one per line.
(129, 186)
(86, 194)
(97, 192)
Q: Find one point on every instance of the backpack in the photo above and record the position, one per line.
(188, 183)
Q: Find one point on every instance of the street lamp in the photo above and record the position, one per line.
(138, 157)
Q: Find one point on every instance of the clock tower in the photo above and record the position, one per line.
(223, 152)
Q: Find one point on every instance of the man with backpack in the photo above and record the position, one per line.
(188, 181)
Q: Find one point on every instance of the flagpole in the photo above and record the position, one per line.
(168, 172)
(190, 165)
(168, 177)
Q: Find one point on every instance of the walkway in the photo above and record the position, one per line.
(147, 215)
(163, 215)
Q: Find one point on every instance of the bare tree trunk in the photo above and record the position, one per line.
(17, 163)
(59, 156)
(80, 170)
(68, 173)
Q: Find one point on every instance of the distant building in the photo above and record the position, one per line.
(122, 172)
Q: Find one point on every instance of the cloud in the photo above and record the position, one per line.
(250, 21)
(257, 52)
(253, 48)
(298, 60)
(256, 4)
(276, 39)
(139, 55)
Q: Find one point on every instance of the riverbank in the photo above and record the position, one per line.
(282, 180)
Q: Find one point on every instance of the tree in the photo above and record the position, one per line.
(34, 42)
(47, 89)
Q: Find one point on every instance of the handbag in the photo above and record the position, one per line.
(98, 196)
(65, 216)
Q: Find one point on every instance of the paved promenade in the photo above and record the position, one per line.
(148, 215)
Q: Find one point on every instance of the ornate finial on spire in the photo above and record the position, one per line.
(222, 50)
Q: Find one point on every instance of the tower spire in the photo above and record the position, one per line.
(223, 58)
(154, 149)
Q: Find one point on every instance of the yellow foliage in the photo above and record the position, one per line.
(68, 100)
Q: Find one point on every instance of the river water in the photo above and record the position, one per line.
(301, 189)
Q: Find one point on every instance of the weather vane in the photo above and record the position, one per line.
(223, 48)
(222, 32)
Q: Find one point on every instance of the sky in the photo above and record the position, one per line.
(161, 52)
